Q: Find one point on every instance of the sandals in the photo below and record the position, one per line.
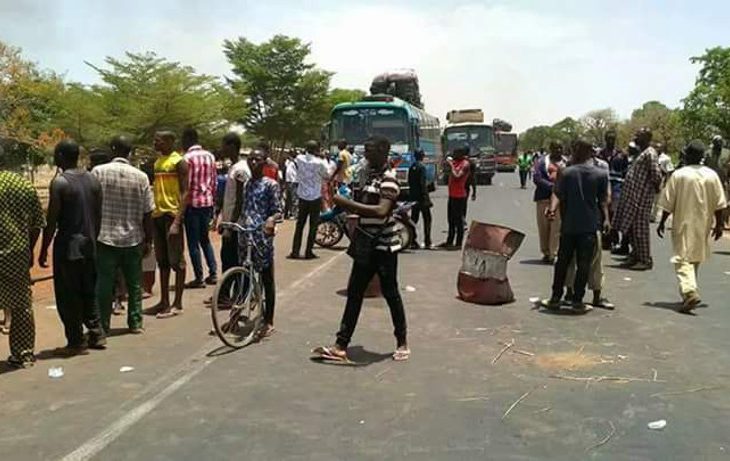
(690, 303)
(401, 355)
(169, 313)
(264, 332)
(329, 354)
(603, 303)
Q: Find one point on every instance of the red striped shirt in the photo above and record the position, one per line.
(202, 177)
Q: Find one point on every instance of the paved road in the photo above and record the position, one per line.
(187, 399)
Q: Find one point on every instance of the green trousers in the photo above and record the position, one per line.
(129, 262)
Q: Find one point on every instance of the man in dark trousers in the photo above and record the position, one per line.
(74, 210)
(582, 194)
(311, 170)
(458, 177)
(418, 192)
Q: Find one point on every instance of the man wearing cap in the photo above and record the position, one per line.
(694, 195)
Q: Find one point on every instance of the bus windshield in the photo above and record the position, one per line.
(478, 138)
(356, 125)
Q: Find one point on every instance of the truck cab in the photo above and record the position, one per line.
(467, 128)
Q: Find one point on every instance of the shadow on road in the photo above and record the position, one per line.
(359, 357)
(672, 306)
(724, 253)
(220, 351)
(534, 262)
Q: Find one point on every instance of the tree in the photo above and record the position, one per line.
(27, 105)
(706, 110)
(663, 121)
(536, 137)
(286, 98)
(597, 122)
(567, 130)
(340, 95)
(144, 93)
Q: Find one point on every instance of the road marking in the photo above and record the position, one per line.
(181, 376)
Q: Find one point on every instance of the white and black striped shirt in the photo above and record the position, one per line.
(382, 185)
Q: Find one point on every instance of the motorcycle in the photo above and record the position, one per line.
(333, 225)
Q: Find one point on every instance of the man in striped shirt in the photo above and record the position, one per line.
(199, 213)
(375, 209)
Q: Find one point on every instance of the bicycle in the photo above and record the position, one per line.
(239, 302)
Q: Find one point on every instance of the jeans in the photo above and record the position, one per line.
(582, 247)
(425, 209)
(74, 283)
(523, 178)
(267, 280)
(455, 214)
(229, 252)
(129, 260)
(307, 209)
(386, 266)
(197, 222)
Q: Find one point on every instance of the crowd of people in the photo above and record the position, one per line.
(112, 225)
(598, 199)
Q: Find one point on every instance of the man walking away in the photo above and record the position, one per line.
(74, 209)
(202, 185)
(524, 163)
(643, 181)
(126, 232)
(171, 193)
(418, 190)
(311, 170)
(694, 195)
(378, 256)
(544, 173)
(458, 176)
(582, 194)
(21, 216)
(290, 167)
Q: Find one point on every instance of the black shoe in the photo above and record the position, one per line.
(311, 256)
(15, 362)
(548, 260)
(211, 280)
(195, 284)
(96, 341)
(293, 256)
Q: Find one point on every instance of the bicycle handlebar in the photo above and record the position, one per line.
(239, 228)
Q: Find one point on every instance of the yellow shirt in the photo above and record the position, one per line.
(167, 185)
(345, 159)
(692, 195)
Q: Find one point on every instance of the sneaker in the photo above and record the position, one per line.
(293, 256)
(691, 301)
(194, 284)
(96, 341)
(136, 331)
(641, 267)
(211, 280)
(548, 260)
(15, 362)
(311, 256)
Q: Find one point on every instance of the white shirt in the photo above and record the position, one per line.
(239, 172)
(665, 163)
(310, 172)
(291, 171)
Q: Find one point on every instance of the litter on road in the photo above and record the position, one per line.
(658, 425)
(126, 369)
(55, 372)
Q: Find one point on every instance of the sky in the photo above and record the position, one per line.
(528, 62)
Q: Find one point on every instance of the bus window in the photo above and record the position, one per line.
(357, 125)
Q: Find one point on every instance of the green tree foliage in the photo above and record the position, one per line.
(597, 122)
(144, 93)
(286, 98)
(340, 95)
(663, 121)
(28, 98)
(706, 110)
(536, 137)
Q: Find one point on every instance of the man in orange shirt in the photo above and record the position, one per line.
(458, 194)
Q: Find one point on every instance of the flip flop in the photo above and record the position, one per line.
(580, 311)
(264, 333)
(401, 355)
(603, 303)
(169, 314)
(546, 303)
(327, 354)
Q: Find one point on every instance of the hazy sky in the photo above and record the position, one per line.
(529, 62)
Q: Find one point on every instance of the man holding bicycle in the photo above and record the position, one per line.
(261, 211)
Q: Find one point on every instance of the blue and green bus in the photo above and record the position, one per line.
(407, 127)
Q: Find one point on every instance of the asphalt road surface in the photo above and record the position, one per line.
(569, 388)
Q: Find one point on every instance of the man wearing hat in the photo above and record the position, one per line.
(695, 196)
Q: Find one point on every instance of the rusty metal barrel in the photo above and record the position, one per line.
(483, 275)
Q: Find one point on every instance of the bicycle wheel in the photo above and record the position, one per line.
(328, 234)
(237, 308)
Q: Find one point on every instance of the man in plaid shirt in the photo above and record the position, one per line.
(637, 197)
(126, 232)
(200, 212)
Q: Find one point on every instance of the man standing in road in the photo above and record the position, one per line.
(544, 173)
(378, 256)
(694, 195)
(458, 194)
(21, 220)
(311, 171)
(643, 181)
(171, 194)
(74, 209)
(126, 232)
(667, 167)
(524, 163)
(418, 191)
(290, 173)
(582, 195)
(233, 198)
(344, 159)
(199, 214)
(719, 161)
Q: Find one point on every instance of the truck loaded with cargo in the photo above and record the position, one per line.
(466, 128)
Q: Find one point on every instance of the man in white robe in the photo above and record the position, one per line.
(695, 196)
